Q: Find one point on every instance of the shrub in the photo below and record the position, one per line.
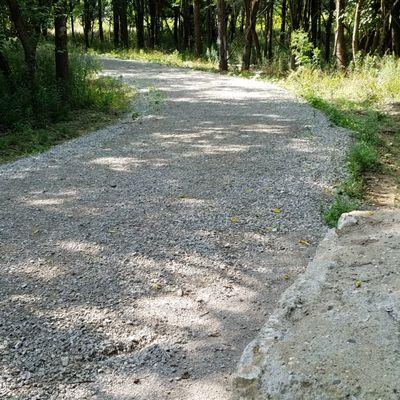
(342, 204)
(362, 158)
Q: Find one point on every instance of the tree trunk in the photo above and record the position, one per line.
(116, 22)
(340, 48)
(283, 23)
(270, 31)
(314, 13)
(396, 29)
(356, 27)
(140, 24)
(209, 24)
(328, 30)
(186, 24)
(71, 14)
(123, 22)
(232, 25)
(28, 38)
(87, 22)
(222, 36)
(249, 35)
(101, 16)
(61, 46)
(197, 27)
(153, 23)
(176, 26)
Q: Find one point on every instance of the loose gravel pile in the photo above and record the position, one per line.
(137, 261)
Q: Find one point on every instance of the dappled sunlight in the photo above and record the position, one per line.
(120, 164)
(148, 248)
(80, 247)
(45, 202)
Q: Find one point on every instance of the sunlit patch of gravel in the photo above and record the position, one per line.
(137, 261)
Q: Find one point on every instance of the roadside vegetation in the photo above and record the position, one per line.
(342, 56)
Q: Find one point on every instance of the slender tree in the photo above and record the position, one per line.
(61, 46)
(356, 28)
(28, 35)
(222, 36)
(197, 27)
(340, 47)
(251, 24)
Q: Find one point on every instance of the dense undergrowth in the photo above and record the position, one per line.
(92, 101)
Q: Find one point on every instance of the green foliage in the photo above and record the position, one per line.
(23, 131)
(86, 90)
(304, 53)
(362, 158)
(341, 204)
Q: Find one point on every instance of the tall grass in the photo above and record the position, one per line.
(354, 100)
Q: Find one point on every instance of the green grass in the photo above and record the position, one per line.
(341, 204)
(355, 101)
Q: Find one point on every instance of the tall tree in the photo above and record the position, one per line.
(328, 29)
(87, 21)
(139, 5)
(340, 46)
(222, 36)
(356, 28)
(28, 36)
(61, 46)
(197, 27)
(251, 24)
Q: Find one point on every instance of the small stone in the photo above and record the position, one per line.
(64, 361)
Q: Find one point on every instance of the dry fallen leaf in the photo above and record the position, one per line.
(304, 242)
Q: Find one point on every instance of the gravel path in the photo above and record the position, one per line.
(137, 261)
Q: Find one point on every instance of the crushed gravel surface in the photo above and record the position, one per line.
(139, 260)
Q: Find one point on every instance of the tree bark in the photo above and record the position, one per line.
(140, 24)
(356, 28)
(249, 35)
(61, 46)
(314, 13)
(123, 22)
(176, 26)
(197, 27)
(87, 22)
(340, 47)
(28, 38)
(222, 36)
(328, 30)
(153, 23)
(396, 29)
(270, 30)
